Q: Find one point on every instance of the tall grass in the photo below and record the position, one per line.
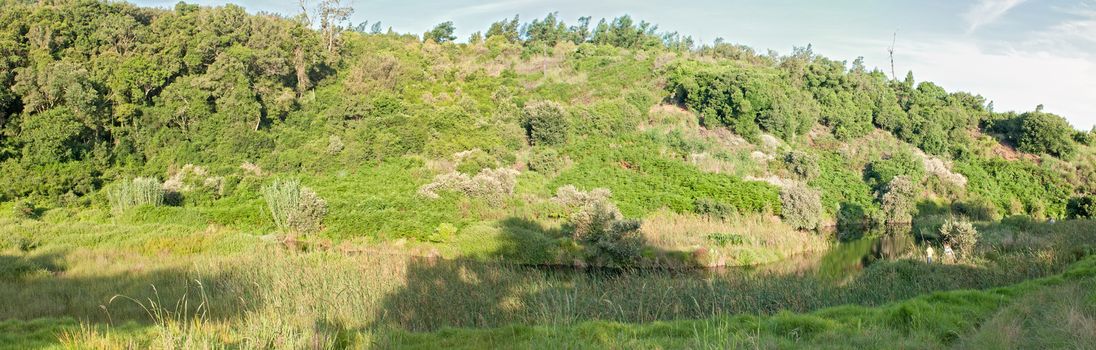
(738, 240)
(139, 191)
(268, 297)
(294, 208)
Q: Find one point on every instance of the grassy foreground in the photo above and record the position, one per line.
(162, 286)
(1051, 312)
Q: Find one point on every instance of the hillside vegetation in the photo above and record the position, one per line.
(226, 158)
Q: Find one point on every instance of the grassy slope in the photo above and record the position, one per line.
(1029, 314)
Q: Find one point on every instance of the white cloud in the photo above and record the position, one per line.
(1014, 80)
(1075, 34)
(988, 11)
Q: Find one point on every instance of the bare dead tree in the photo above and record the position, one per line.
(331, 14)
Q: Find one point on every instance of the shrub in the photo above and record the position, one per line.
(444, 232)
(490, 184)
(1087, 138)
(139, 191)
(898, 200)
(1083, 207)
(711, 208)
(545, 160)
(24, 209)
(881, 172)
(960, 234)
(978, 209)
(571, 199)
(545, 123)
(471, 162)
(643, 181)
(194, 185)
(295, 209)
(608, 237)
(1019, 222)
(803, 164)
(1045, 133)
(1017, 187)
(840, 186)
(335, 145)
(802, 207)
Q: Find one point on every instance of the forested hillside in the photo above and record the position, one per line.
(206, 131)
(96, 93)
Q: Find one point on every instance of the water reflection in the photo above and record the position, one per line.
(845, 259)
(843, 262)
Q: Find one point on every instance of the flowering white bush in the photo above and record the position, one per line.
(489, 184)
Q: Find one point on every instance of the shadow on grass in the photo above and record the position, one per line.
(465, 293)
(40, 286)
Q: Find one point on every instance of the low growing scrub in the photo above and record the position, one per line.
(24, 209)
(492, 185)
(713, 209)
(471, 162)
(545, 160)
(803, 164)
(570, 199)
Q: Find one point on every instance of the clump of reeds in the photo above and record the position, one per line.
(136, 192)
(294, 208)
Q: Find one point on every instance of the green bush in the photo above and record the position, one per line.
(801, 207)
(803, 164)
(295, 209)
(1045, 133)
(978, 209)
(898, 199)
(643, 181)
(1016, 187)
(1083, 207)
(24, 209)
(1087, 138)
(842, 187)
(139, 191)
(743, 98)
(471, 162)
(545, 160)
(545, 123)
(881, 172)
(608, 238)
(960, 234)
(443, 233)
(713, 209)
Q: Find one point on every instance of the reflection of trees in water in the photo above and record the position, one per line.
(895, 243)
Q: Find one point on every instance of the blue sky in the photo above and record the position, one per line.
(1018, 53)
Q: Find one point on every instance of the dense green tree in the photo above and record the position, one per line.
(545, 123)
(506, 29)
(442, 33)
(879, 173)
(1042, 132)
(547, 32)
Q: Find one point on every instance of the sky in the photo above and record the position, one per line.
(1017, 53)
